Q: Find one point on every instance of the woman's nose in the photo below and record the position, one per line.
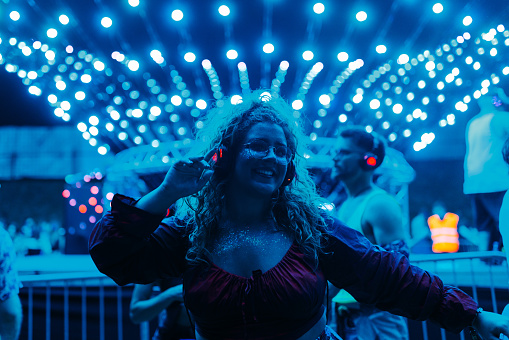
(271, 152)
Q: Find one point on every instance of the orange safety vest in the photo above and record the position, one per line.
(444, 233)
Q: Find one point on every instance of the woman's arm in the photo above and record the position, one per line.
(185, 177)
(131, 245)
(145, 307)
(128, 243)
(388, 280)
(491, 325)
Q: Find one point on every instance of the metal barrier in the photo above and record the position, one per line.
(483, 275)
(54, 298)
(66, 297)
(63, 302)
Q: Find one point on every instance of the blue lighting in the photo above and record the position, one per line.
(106, 22)
(224, 10)
(149, 68)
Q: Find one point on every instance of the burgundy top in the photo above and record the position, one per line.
(134, 246)
(284, 302)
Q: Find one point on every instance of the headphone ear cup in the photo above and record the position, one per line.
(290, 174)
(220, 158)
(369, 161)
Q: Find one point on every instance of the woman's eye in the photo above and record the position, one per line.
(280, 152)
(258, 146)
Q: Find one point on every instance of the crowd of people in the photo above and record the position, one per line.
(36, 238)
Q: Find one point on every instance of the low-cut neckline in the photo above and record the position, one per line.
(280, 262)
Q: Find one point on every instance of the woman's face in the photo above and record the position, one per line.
(256, 170)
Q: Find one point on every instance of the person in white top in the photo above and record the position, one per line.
(486, 178)
(373, 212)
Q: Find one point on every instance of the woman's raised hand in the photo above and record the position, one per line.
(188, 175)
(185, 177)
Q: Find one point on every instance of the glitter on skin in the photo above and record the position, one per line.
(248, 242)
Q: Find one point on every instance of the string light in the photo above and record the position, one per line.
(144, 86)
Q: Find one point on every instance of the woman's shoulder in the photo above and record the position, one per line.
(333, 225)
(338, 234)
(181, 226)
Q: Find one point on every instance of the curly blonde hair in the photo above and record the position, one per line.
(296, 207)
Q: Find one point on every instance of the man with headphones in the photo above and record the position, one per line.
(373, 212)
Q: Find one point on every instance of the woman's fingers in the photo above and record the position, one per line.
(191, 163)
(210, 155)
(199, 163)
(196, 159)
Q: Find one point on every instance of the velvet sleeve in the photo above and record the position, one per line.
(388, 280)
(131, 245)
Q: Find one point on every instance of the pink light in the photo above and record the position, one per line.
(92, 201)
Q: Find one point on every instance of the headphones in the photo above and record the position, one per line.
(222, 162)
(369, 160)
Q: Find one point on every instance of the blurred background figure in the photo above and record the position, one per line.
(504, 209)
(376, 214)
(486, 178)
(167, 305)
(11, 313)
(32, 238)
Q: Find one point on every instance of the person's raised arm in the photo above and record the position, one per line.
(122, 244)
(144, 307)
(185, 177)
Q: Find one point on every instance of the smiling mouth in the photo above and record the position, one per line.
(265, 173)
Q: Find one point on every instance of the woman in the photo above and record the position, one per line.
(254, 246)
